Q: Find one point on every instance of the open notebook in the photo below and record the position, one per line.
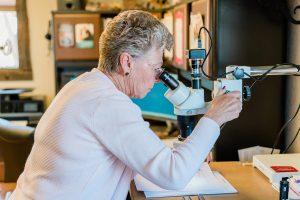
(205, 182)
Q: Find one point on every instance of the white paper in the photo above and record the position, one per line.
(179, 37)
(204, 182)
(196, 22)
(292, 194)
(246, 154)
(168, 22)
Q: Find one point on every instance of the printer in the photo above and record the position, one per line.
(14, 106)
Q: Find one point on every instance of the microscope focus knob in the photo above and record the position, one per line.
(246, 93)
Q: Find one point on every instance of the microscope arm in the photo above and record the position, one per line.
(281, 70)
(240, 72)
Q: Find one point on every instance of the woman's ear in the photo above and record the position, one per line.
(126, 63)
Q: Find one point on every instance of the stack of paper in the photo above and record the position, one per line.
(294, 183)
(294, 187)
(205, 182)
(246, 155)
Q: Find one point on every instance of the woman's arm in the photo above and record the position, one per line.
(123, 131)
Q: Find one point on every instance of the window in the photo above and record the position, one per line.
(14, 41)
(9, 39)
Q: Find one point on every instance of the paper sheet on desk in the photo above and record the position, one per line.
(204, 182)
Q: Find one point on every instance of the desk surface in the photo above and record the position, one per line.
(247, 180)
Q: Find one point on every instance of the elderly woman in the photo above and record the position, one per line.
(92, 140)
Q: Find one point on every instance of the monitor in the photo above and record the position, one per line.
(155, 106)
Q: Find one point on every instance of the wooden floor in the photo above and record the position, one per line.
(4, 187)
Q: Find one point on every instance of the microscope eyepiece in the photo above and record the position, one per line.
(168, 80)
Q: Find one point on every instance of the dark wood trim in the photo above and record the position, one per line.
(104, 12)
(1, 169)
(7, 8)
(77, 64)
(214, 72)
(24, 72)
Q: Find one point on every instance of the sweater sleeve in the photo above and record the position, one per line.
(119, 126)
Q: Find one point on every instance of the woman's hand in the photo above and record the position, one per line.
(225, 107)
(209, 157)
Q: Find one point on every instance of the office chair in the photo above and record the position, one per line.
(15, 145)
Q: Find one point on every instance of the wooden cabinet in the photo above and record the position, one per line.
(76, 42)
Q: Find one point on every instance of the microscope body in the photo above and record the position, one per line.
(188, 104)
(190, 109)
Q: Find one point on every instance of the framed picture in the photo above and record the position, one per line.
(66, 35)
(180, 30)
(84, 35)
(76, 36)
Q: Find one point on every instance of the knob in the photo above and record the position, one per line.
(246, 93)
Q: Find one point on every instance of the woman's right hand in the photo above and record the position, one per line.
(225, 107)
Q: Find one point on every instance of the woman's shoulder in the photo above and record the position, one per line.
(119, 103)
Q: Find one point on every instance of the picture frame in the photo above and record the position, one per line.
(180, 30)
(76, 36)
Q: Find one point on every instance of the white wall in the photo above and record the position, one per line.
(39, 12)
(293, 85)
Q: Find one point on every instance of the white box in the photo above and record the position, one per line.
(264, 163)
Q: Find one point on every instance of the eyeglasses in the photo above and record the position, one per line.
(157, 68)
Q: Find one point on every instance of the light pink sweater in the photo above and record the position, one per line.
(92, 140)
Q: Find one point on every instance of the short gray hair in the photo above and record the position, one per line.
(134, 32)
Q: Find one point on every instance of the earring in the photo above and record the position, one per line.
(127, 73)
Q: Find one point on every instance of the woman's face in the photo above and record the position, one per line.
(144, 72)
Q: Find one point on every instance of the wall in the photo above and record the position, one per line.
(39, 12)
(293, 94)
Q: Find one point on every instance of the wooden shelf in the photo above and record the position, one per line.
(76, 64)
(104, 12)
